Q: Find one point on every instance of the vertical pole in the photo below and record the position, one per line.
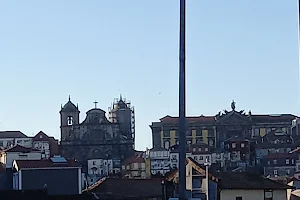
(207, 181)
(182, 133)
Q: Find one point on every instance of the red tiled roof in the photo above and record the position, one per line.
(279, 155)
(39, 164)
(200, 119)
(19, 148)
(211, 119)
(134, 159)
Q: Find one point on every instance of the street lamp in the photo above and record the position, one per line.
(207, 164)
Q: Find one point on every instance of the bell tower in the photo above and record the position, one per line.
(69, 116)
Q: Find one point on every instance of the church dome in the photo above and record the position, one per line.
(95, 116)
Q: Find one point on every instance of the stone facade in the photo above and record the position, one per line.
(94, 138)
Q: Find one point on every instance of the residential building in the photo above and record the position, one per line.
(239, 149)
(12, 138)
(196, 181)
(98, 168)
(174, 156)
(221, 158)
(48, 145)
(18, 152)
(94, 138)
(280, 164)
(159, 161)
(248, 186)
(201, 152)
(228, 185)
(59, 175)
(134, 167)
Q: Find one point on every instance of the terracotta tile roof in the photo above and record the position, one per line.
(12, 134)
(47, 163)
(200, 119)
(244, 180)
(134, 159)
(211, 119)
(145, 188)
(279, 155)
(19, 148)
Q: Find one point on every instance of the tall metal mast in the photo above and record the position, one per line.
(182, 132)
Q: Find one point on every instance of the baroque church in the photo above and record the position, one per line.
(95, 137)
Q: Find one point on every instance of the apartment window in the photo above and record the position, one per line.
(268, 195)
(275, 172)
(166, 133)
(206, 149)
(269, 163)
(256, 132)
(242, 145)
(194, 149)
(199, 132)
(287, 161)
(274, 162)
(288, 172)
(233, 145)
(292, 161)
(207, 158)
(201, 157)
(238, 198)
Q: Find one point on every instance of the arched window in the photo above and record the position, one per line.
(70, 121)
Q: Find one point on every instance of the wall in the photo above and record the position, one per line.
(11, 156)
(59, 181)
(43, 146)
(251, 194)
(103, 166)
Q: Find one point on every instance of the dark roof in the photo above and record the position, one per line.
(47, 163)
(158, 148)
(19, 148)
(12, 134)
(273, 118)
(128, 187)
(244, 180)
(281, 118)
(199, 119)
(69, 107)
(41, 136)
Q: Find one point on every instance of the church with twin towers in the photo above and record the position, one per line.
(100, 135)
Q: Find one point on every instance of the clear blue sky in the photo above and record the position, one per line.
(95, 50)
